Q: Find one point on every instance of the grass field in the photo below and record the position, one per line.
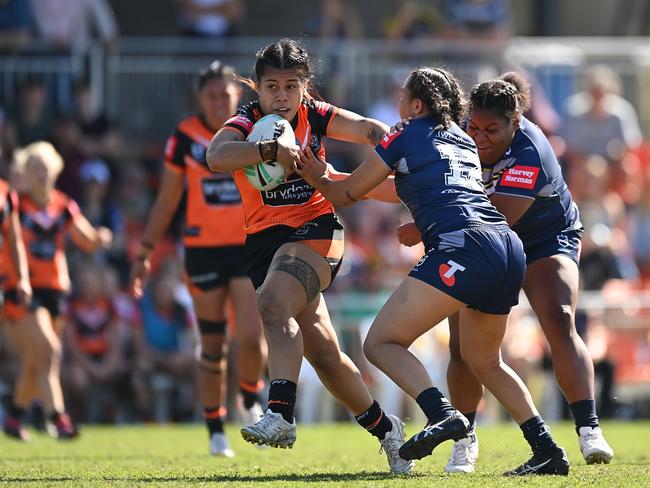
(325, 455)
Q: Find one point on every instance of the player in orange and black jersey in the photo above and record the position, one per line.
(13, 248)
(46, 216)
(95, 359)
(215, 261)
(295, 245)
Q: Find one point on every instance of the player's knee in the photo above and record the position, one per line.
(559, 324)
(370, 347)
(484, 364)
(455, 354)
(212, 328)
(212, 362)
(271, 307)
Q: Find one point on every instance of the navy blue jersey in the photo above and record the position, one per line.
(438, 177)
(529, 169)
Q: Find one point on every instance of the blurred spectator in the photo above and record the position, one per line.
(98, 206)
(412, 20)
(32, 119)
(385, 109)
(165, 349)
(606, 252)
(639, 229)
(599, 121)
(477, 19)
(15, 24)
(96, 369)
(67, 24)
(337, 20)
(99, 137)
(209, 18)
(66, 136)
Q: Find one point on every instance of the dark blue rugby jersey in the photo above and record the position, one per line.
(529, 169)
(438, 177)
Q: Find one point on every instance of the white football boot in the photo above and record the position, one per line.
(219, 445)
(250, 416)
(464, 454)
(271, 430)
(593, 445)
(391, 443)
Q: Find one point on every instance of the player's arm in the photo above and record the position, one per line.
(228, 151)
(351, 127)
(513, 208)
(372, 172)
(87, 237)
(385, 192)
(162, 212)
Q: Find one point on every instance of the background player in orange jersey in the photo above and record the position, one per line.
(12, 239)
(215, 262)
(295, 246)
(46, 216)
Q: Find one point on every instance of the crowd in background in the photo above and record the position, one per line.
(148, 351)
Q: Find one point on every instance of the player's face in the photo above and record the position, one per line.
(492, 134)
(218, 99)
(407, 104)
(37, 175)
(281, 92)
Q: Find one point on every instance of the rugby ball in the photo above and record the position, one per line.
(269, 174)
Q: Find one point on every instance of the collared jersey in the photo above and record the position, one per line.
(214, 216)
(293, 202)
(529, 169)
(44, 232)
(438, 177)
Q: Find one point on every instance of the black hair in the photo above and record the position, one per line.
(286, 54)
(216, 70)
(507, 95)
(440, 91)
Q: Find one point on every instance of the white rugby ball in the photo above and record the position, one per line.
(269, 174)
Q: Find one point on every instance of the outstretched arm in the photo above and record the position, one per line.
(351, 127)
(372, 172)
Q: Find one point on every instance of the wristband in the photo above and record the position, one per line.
(268, 149)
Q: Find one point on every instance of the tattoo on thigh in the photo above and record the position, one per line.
(302, 271)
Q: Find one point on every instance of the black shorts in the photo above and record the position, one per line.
(50, 299)
(207, 268)
(324, 235)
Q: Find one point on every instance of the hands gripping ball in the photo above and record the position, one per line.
(269, 174)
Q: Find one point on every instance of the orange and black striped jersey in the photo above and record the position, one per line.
(8, 204)
(44, 232)
(91, 325)
(294, 202)
(214, 216)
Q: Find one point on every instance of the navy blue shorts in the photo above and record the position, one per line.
(566, 243)
(481, 266)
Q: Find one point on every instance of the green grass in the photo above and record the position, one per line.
(325, 455)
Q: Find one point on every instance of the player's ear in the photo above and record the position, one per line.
(418, 105)
(516, 121)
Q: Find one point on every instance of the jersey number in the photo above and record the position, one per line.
(464, 167)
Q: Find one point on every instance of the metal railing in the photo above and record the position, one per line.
(146, 85)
